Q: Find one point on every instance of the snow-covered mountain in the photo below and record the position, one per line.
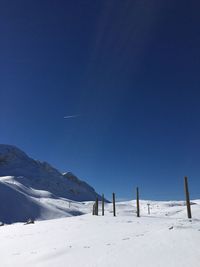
(42, 176)
(30, 188)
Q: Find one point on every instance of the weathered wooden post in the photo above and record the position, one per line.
(97, 207)
(103, 205)
(148, 208)
(114, 209)
(187, 195)
(93, 209)
(138, 202)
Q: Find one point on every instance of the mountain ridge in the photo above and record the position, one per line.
(42, 176)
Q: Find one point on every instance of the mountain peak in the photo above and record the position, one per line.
(11, 151)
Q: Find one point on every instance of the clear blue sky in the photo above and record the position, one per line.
(130, 69)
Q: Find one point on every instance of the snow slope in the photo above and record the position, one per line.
(42, 176)
(18, 203)
(165, 238)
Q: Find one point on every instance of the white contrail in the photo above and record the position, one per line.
(71, 116)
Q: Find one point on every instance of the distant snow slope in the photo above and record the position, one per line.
(18, 203)
(42, 176)
(165, 238)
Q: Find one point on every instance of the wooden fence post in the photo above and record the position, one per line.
(114, 210)
(93, 209)
(148, 208)
(97, 207)
(187, 195)
(138, 202)
(103, 205)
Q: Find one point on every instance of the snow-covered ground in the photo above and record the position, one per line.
(165, 238)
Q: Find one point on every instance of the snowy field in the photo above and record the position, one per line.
(165, 238)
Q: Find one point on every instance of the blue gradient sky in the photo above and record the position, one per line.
(130, 69)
